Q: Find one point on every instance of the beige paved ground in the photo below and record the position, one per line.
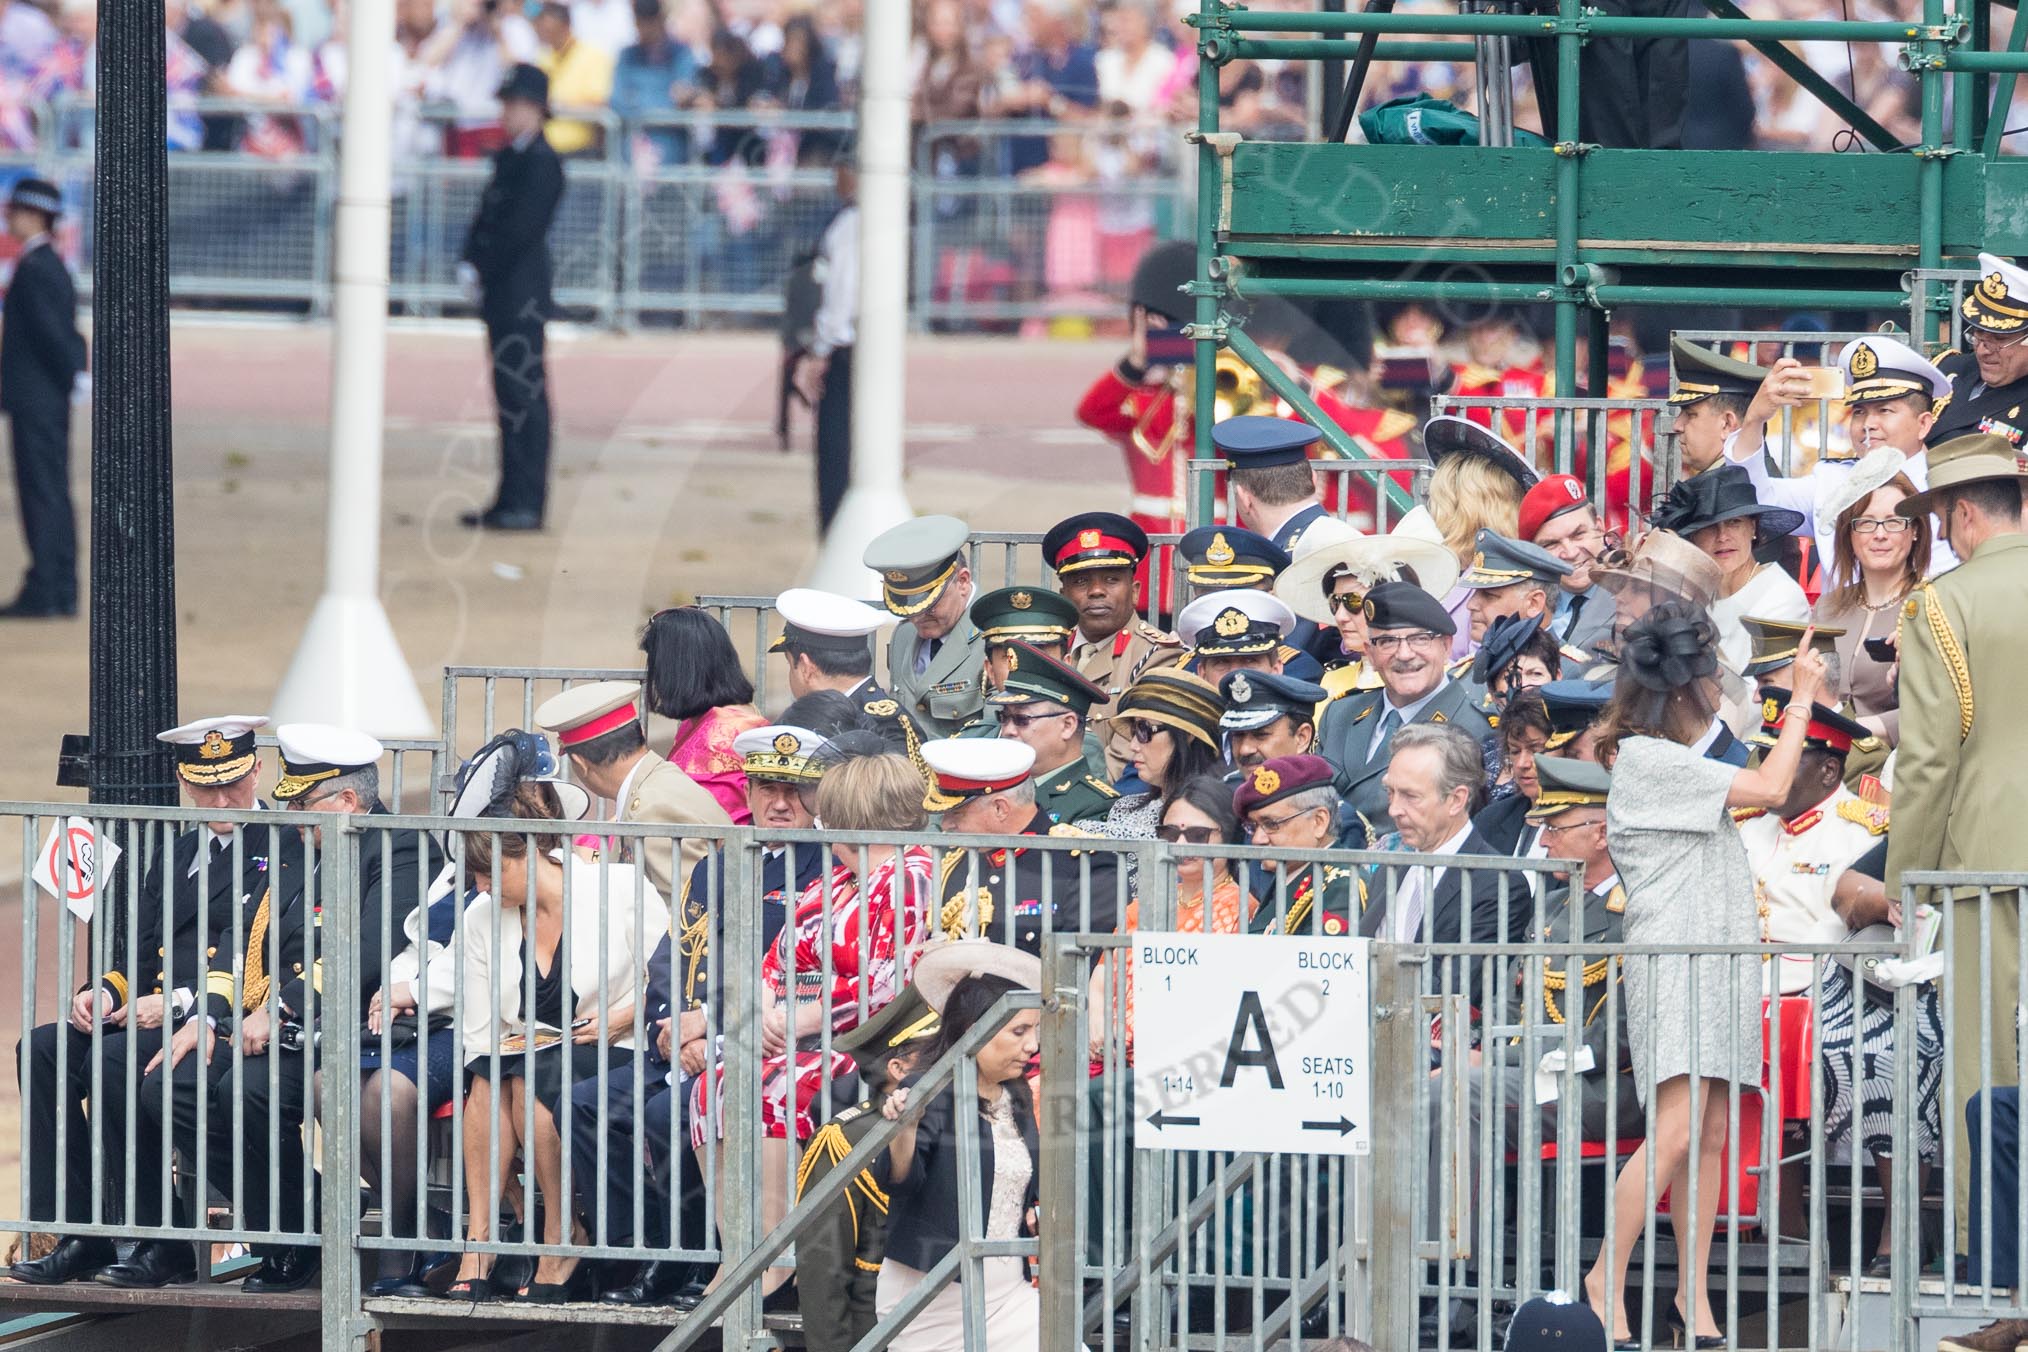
(668, 484)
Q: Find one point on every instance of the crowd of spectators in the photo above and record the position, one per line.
(1061, 215)
(1062, 60)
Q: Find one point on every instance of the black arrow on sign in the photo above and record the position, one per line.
(1162, 1119)
(1341, 1126)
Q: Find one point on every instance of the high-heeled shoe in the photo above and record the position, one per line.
(477, 1290)
(1706, 1342)
(577, 1286)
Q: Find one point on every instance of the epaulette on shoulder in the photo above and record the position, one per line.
(1747, 814)
(1103, 787)
(850, 1114)
(1462, 664)
(952, 859)
(1393, 424)
(1571, 654)
(1872, 816)
(1159, 637)
(1068, 829)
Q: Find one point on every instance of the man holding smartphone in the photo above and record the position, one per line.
(1895, 396)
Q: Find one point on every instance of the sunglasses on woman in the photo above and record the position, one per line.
(1142, 731)
(1188, 835)
(1347, 603)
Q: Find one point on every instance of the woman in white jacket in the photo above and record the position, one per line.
(551, 966)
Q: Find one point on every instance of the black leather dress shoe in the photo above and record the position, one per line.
(154, 1262)
(413, 1281)
(501, 520)
(282, 1271)
(70, 1261)
(656, 1284)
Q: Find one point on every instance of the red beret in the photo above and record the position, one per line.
(1279, 778)
(1551, 498)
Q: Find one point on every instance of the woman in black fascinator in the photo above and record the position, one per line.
(1695, 1023)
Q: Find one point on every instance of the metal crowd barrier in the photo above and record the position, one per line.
(1345, 498)
(1938, 293)
(694, 216)
(1980, 935)
(506, 697)
(1469, 1202)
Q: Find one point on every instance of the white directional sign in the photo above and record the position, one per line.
(1245, 1042)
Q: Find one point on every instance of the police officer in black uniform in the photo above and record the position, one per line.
(1989, 383)
(276, 982)
(187, 899)
(41, 354)
(506, 258)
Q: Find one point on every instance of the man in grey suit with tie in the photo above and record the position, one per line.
(1408, 636)
(935, 660)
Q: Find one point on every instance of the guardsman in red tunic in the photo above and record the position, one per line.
(1143, 405)
(1491, 372)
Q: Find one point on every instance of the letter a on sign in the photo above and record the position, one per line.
(1250, 1023)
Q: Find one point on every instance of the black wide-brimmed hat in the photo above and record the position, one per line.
(1723, 494)
(1447, 435)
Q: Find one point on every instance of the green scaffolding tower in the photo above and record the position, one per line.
(1588, 229)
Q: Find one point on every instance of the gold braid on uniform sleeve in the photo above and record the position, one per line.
(828, 1147)
(1554, 981)
(693, 941)
(1953, 654)
(256, 983)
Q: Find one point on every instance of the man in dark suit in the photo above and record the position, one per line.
(188, 896)
(41, 354)
(506, 262)
(265, 989)
(1435, 777)
(1409, 635)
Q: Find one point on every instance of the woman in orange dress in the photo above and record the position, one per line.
(695, 678)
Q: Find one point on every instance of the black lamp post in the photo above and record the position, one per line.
(133, 535)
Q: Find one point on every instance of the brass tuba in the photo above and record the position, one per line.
(1237, 389)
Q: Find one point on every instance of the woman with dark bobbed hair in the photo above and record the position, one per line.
(695, 679)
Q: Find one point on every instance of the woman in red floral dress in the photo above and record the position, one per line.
(841, 958)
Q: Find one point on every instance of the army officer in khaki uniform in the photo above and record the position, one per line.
(598, 725)
(934, 659)
(1964, 737)
(1096, 555)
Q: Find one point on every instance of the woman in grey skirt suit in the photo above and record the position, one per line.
(1694, 1022)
